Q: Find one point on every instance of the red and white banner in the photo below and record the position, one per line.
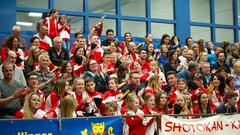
(214, 125)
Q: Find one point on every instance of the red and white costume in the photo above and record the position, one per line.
(39, 114)
(80, 99)
(52, 101)
(112, 95)
(45, 42)
(52, 27)
(134, 125)
(64, 31)
(92, 106)
(151, 122)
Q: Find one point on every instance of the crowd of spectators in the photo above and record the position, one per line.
(53, 79)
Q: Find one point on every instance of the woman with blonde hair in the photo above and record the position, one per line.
(67, 107)
(153, 85)
(58, 92)
(30, 108)
(31, 62)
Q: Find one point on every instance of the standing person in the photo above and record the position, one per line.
(134, 125)
(58, 54)
(8, 85)
(64, 32)
(51, 23)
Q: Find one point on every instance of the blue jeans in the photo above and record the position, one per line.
(66, 45)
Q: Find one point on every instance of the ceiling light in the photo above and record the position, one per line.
(35, 14)
(25, 23)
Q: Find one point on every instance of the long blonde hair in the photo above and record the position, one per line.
(30, 60)
(67, 106)
(27, 109)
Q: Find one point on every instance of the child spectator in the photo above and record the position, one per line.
(51, 23)
(134, 125)
(111, 109)
(64, 32)
(113, 94)
(149, 108)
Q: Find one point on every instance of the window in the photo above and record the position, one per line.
(224, 35)
(32, 3)
(27, 22)
(136, 28)
(158, 29)
(162, 9)
(72, 5)
(76, 23)
(198, 32)
(200, 11)
(133, 8)
(223, 12)
(107, 24)
(102, 6)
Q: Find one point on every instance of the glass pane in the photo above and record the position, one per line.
(137, 28)
(238, 13)
(162, 9)
(200, 10)
(159, 29)
(26, 22)
(224, 35)
(198, 32)
(32, 3)
(223, 12)
(102, 6)
(133, 8)
(76, 23)
(107, 24)
(73, 5)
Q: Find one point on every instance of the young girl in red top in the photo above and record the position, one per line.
(153, 85)
(181, 87)
(161, 103)
(79, 93)
(134, 125)
(113, 94)
(64, 32)
(51, 23)
(150, 109)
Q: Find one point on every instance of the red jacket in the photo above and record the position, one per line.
(52, 27)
